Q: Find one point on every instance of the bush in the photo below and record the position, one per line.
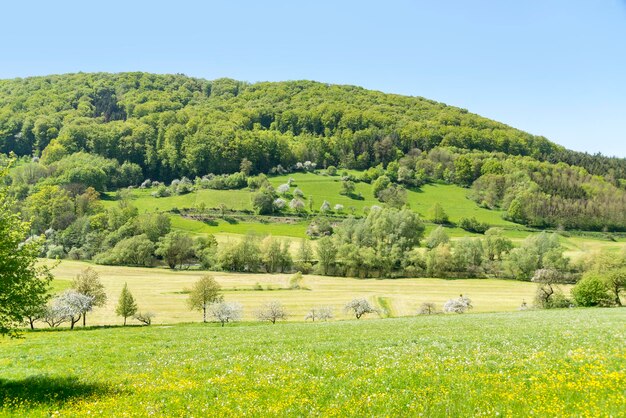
(591, 291)
(55, 251)
(473, 225)
(331, 170)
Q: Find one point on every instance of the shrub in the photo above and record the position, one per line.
(473, 225)
(331, 170)
(591, 291)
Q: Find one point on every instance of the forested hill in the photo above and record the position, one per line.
(174, 125)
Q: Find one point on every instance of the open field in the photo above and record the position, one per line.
(538, 363)
(162, 292)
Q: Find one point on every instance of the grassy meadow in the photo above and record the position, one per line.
(162, 291)
(568, 362)
(319, 187)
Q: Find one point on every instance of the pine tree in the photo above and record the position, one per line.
(126, 306)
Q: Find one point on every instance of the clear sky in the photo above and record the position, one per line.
(551, 67)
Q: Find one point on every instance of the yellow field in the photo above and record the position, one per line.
(162, 292)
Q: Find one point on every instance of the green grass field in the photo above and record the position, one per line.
(162, 292)
(537, 363)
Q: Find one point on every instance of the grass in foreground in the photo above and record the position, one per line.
(543, 363)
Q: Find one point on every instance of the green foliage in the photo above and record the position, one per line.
(23, 284)
(473, 225)
(176, 248)
(437, 237)
(203, 293)
(591, 291)
(136, 250)
(438, 215)
(126, 305)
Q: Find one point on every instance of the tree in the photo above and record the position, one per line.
(24, 285)
(427, 308)
(438, 215)
(616, 283)
(73, 305)
(437, 237)
(459, 305)
(380, 184)
(295, 281)
(326, 253)
(497, 244)
(272, 312)
(245, 167)
(144, 317)
(126, 305)
(360, 307)
(176, 248)
(548, 293)
(225, 312)
(347, 188)
(88, 283)
(322, 313)
(203, 293)
(263, 201)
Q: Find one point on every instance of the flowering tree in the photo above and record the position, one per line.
(283, 189)
(459, 305)
(225, 312)
(321, 313)
(360, 307)
(296, 204)
(272, 311)
(73, 305)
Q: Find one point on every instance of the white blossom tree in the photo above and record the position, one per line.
(283, 189)
(360, 307)
(73, 305)
(225, 312)
(321, 313)
(459, 305)
(272, 311)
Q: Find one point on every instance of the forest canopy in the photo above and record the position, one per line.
(173, 125)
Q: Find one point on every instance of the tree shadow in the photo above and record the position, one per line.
(47, 390)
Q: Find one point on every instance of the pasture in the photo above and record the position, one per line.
(568, 362)
(162, 291)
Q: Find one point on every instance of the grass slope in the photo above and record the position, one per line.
(320, 187)
(162, 292)
(539, 363)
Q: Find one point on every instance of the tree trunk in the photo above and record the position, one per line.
(204, 313)
(124, 321)
(84, 319)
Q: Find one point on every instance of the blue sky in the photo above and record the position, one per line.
(550, 67)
